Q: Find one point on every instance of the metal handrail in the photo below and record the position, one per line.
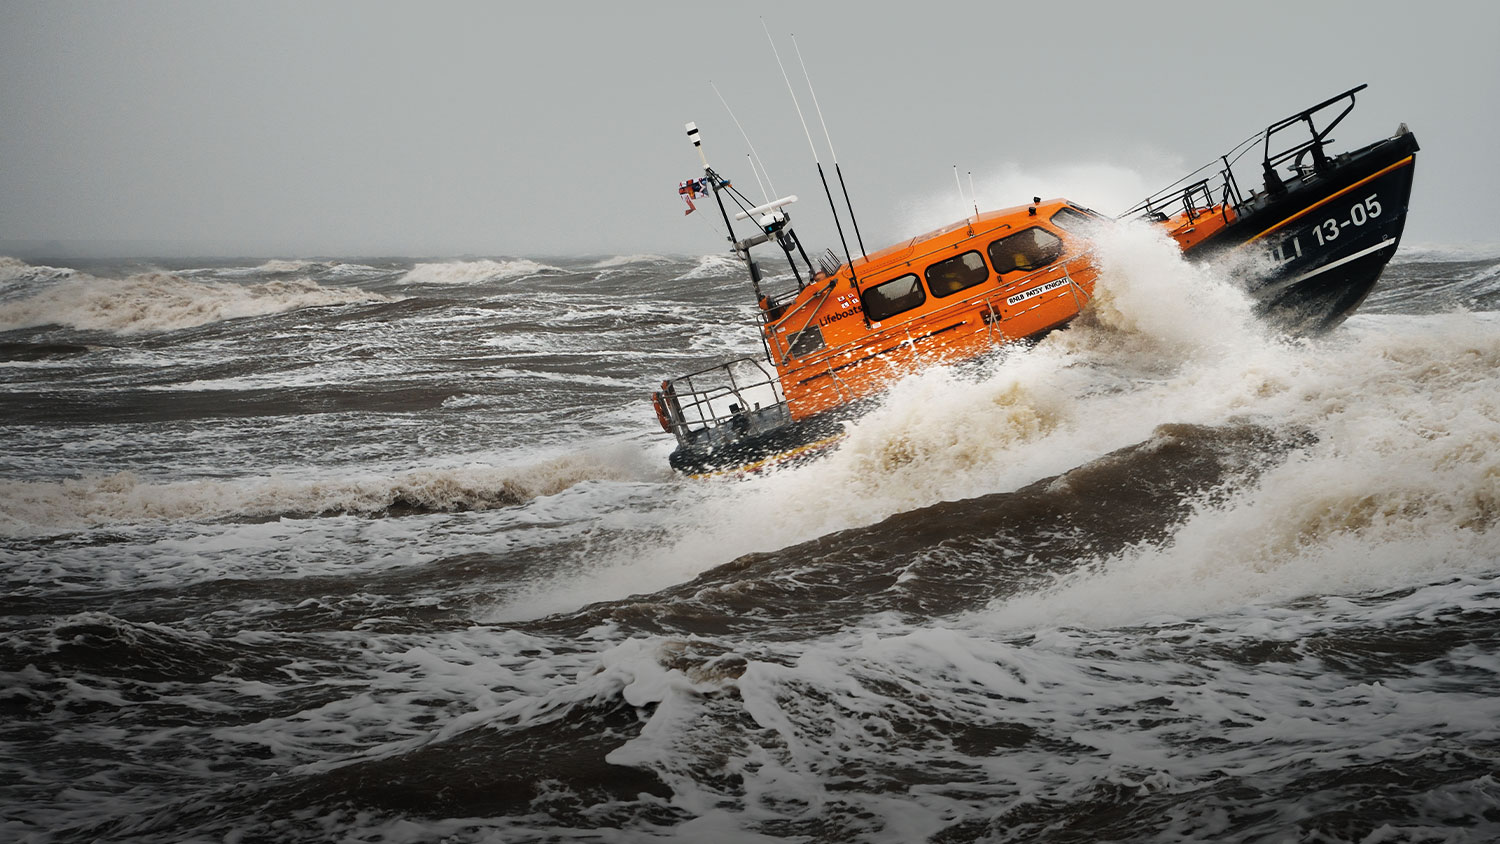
(1315, 143)
(695, 404)
(1154, 204)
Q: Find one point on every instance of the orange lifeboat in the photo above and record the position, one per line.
(849, 329)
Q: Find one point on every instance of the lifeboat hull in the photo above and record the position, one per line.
(1329, 236)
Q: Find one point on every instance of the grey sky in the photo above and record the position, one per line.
(344, 128)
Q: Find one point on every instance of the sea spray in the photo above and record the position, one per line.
(944, 433)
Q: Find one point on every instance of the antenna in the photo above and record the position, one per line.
(748, 144)
(961, 198)
(826, 192)
(973, 197)
(843, 187)
(758, 182)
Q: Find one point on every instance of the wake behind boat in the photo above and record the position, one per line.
(844, 331)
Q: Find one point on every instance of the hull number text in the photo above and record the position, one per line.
(1326, 232)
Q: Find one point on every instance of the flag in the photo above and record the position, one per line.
(687, 190)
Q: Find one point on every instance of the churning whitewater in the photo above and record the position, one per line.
(378, 550)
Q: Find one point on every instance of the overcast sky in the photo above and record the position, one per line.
(537, 129)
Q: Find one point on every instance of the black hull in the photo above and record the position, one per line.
(1330, 234)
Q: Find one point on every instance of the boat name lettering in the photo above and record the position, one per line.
(838, 316)
(1036, 291)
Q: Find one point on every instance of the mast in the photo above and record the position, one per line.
(715, 184)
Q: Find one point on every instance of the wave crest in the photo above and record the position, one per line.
(626, 260)
(712, 266)
(33, 507)
(165, 302)
(14, 269)
(473, 272)
(283, 265)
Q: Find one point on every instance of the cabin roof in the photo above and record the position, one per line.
(952, 233)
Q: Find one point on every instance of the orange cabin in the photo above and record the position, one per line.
(940, 297)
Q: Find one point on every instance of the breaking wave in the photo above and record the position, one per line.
(157, 301)
(474, 272)
(280, 266)
(626, 260)
(39, 507)
(1429, 252)
(14, 269)
(712, 266)
(1400, 413)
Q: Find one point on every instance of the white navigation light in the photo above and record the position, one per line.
(692, 131)
(769, 206)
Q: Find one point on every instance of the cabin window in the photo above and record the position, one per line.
(960, 272)
(1072, 220)
(893, 297)
(1028, 249)
(806, 341)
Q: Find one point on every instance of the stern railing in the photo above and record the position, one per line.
(717, 405)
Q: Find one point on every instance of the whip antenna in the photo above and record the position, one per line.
(829, 138)
(758, 182)
(960, 186)
(748, 144)
(826, 192)
(973, 197)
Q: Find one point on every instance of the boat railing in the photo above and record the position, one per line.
(1194, 198)
(1194, 192)
(1313, 146)
(722, 403)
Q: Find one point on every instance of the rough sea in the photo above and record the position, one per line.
(371, 550)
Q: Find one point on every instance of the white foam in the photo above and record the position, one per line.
(627, 260)
(1403, 486)
(473, 272)
(1165, 342)
(149, 302)
(1411, 252)
(712, 266)
(282, 266)
(40, 507)
(14, 269)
